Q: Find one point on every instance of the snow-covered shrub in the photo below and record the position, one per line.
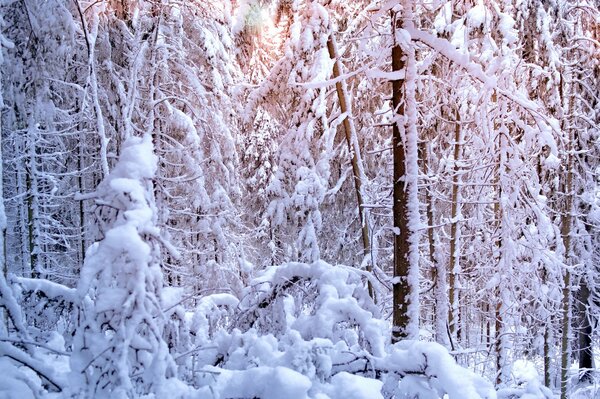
(22, 372)
(311, 331)
(317, 300)
(49, 306)
(526, 383)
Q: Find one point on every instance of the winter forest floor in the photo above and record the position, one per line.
(299, 199)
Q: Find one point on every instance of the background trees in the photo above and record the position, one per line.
(205, 192)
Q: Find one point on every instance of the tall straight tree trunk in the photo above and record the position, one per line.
(500, 337)
(488, 324)
(3, 264)
(354, 150)
(565, 231)
(498, 294)
(406, 202)
(81, 187)
(498, 341)
(31, 189)
(548, 321)
(454, 268)
(586, 356)
(92, 36)
(547, 360)
(438, 272)
(566, 223)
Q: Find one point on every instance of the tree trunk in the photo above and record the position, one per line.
(548, 321)
(5, 316)
(438, 272)
(354, 150)
(31, 192)
(405, 206)
(453, 268)
(498, 340)
(498, 215)
(81, 187)
(585, 335)
(547, 360)
(565, 230)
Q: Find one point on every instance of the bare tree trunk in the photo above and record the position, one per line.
(31, 187)
(547, 356)
(80, 184)
(498, 215)
(424, 157)
(498, 340)
(401, 288)
(438, 272)
(488, 325)
(565, 230)
(585, 334)
(547, 360)
(453, 268)
(548, 321)
(405, 206)
(5, 316)
(354, 149)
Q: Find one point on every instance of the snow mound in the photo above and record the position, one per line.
(258, 382)
(527, 383)
(311, 331)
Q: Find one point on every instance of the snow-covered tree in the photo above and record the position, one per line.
(119, 348)
(268, 190)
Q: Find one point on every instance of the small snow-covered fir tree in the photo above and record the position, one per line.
(118, 348)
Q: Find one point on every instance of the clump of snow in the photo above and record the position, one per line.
(507, 29)
(477, 16)
(552, 162)
(180, 121)
(349, 386)
(432, 371)
(259, 382)
(527, 383)
(586, 392)
(443, 18)
(14, 383)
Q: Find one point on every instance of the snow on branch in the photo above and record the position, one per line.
(44, 371)
(49, 288)
(545, 123)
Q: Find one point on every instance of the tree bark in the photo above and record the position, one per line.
(354, 149)
(565, 230)
(453, 267)
(31, 190)
(405, 200)
(498, 215)
(438, 272)
(585, 335)
(548, 321)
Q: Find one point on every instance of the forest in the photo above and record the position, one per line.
(299, 199)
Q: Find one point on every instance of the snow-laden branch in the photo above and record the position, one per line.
(44, 371)
(49, 288)
(545, 123)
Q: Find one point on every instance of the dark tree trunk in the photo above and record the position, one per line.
(402, 288)
(585, 335)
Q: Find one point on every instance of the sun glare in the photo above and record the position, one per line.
(258, 20)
